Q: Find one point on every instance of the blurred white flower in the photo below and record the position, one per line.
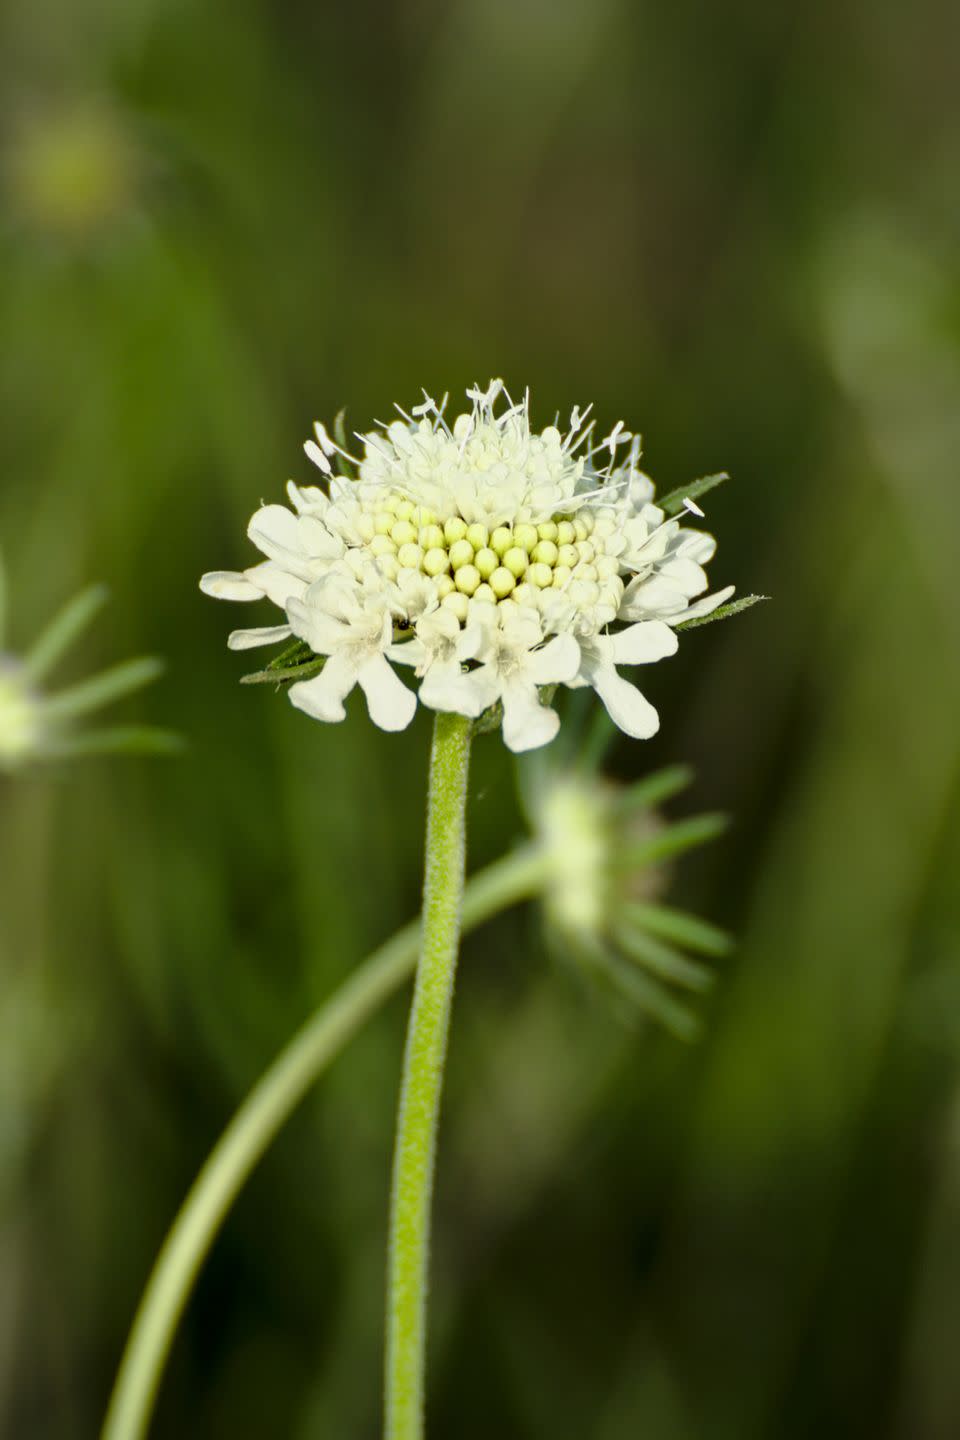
(36, 725)
(606, 848)
(490, 558)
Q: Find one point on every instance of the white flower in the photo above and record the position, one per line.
(669, 574)
(298, 547)
(514, 663)
(465, 549)
(354, 629)
(439, 650)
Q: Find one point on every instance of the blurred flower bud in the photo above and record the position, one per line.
(35, 725)
(608, 849)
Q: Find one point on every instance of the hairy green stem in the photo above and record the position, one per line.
(420, 1092)
(257, 1122)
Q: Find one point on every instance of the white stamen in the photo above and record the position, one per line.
(314, 453)
(618, 436)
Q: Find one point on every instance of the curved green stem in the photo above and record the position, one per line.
(257, 1122)
(419, 1112)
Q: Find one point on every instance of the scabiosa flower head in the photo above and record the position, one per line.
(36, 725)
(488, 559)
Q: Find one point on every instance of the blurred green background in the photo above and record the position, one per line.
(737, 226)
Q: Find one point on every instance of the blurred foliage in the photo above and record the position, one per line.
(736, 226)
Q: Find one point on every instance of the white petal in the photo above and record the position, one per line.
(437, 627)
(706, 606)
(322, 633)
(643, 643)
(408, 652)
(526, 723)
(316, 541)
(276, 583)
(275, 530)
(306, 498)
(390, 703)
(652, 598)
(229, 585)
(696, 545)
(554, 663)
(264, 635)
(523, 630)
(446, 687)
(470, 642)
(626, 707)
(685, 574)
(324, 694)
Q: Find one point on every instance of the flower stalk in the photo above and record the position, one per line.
(422, 1084)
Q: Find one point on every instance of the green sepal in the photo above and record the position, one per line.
(295, 661)
(490, 721)
(723, 612)
(298, 652)
(672, 503)
(275, 675)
